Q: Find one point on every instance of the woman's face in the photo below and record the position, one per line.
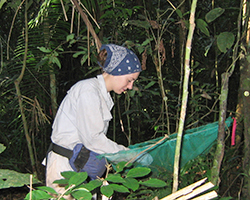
(121, 83)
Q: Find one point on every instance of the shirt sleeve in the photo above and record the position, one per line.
(92, 128)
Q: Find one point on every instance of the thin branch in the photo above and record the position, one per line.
(12, 25)
(64, 12)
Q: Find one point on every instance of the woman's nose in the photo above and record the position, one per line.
(130, 86)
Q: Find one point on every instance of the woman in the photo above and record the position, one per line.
(81, 122)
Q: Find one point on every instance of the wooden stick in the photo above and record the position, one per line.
(185, 190)
(197, 191)
(207, 196)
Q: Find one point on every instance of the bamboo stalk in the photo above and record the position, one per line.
(184, 96)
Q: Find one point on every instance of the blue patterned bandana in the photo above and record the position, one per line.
(120, 60)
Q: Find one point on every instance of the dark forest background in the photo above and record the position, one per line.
(46, 47)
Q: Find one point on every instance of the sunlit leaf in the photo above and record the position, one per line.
(119, 188)
(115, 178)
(10, 178)
(78, 178)
(47, 189)
(44, 50)
(107, 190)
(93, 184)
(153, 182)
(138, 172)
(131, 183)
(2, 148)
(38, 195)
(82, 194)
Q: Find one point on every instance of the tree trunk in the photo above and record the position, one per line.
(245, 94)
(219, 153)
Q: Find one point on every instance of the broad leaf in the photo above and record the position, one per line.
(131, 183)
(119, 188)
(93, 184)
(78, 178)
(138, 172)
(2, 148)
(68, 174)
(153, 182)
(202, 25)
(115, 178)
(107, 190)
(47, 189)
(44, 50)
(82, 194)
(10, 178)
(62, 181)
(37, 195)
(214, 14)
(225, 41)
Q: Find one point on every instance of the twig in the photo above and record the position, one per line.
(69, 188)
(31, 187)
(166, 136)
(12, 25)
(64, 12)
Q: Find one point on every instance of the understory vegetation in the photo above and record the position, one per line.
(46, 47)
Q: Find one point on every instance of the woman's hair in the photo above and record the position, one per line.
(102, 56)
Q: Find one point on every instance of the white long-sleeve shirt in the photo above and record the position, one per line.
(83, 117)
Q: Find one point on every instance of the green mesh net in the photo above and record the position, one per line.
(160, 158)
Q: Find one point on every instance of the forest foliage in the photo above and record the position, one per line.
(60, 51)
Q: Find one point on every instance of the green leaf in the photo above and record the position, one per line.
(202, 25)
(214, 14)
(75, 55)
(10, 178)
(138, 172)
(70, 37)
(56, 61)
(68, 174)
(2, 2)
(115, 178)
(225, 41)
(120, 166)
(62, 181)
(119, 188)
(153, 182)
(47, 189)
(150, 84)
(107, 190)
(37, 195)
(44, 50)
(2, 148)
(84, 58)
(78, 178)
(179, 13)
(93, 184)
(131, 183)
(82, 194)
